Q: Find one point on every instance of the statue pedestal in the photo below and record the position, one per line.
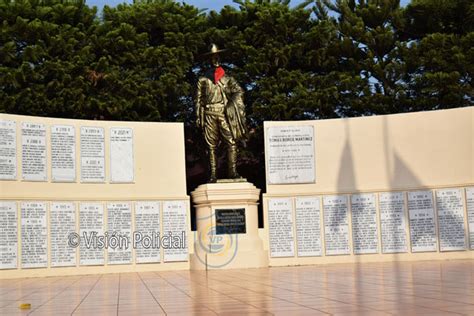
(227, 227)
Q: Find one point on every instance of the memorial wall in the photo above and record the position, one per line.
(379, 188)
(81, 197)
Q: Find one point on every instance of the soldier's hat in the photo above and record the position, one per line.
(213, 50)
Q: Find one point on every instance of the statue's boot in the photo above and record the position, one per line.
(232, 162)
(213, 165)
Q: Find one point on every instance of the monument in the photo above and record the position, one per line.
(226, 209)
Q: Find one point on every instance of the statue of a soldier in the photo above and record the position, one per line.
(220, 113)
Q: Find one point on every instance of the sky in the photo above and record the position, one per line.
(209, 4)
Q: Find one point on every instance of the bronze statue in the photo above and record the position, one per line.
(220, 113)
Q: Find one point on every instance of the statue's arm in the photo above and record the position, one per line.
(235, 88)
(236, 95)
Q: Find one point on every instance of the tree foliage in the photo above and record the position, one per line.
(320, 59)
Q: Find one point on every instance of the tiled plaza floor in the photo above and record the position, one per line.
(420, 288)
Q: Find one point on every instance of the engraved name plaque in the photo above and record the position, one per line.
(7, 150)
(230, 221)
(280, 221)
(290, 152)
(449, 203)
(422, 221)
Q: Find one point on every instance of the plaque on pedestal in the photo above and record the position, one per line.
(230, 221)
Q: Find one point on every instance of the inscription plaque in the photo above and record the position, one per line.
(470, 214)
(91, 223)
(7, 150)
(62, 223)
(290, 152)
(33, 151)
(449, 203)
(119, 223)
(230, 221)
(121, 155)
(92, 154)
(280, 222)
(147, 222)
(422, 221)
(8, 235)
(364, 224)
(336, 225)
(175, 225)
(63, 153)
(393, 222)
(34, 235)
(308, 226)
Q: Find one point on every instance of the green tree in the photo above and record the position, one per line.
(44, 55)
(320, 59)
(440, 58)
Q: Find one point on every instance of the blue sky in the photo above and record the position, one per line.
(210, 4)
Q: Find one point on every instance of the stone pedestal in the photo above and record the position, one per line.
(213, 247)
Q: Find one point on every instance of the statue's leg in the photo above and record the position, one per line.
(211, 136)
(232, 162)
(213, 164)
(231, 149)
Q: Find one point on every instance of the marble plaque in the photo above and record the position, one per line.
(92, 154)
(290, 154)
(62, 220)
(336, 225)
(175, 226)
(63, 153)
(470, 214)
(33, 152)
(393, 222)
(422, 221)
(147, 224)
(364, 224)
(8, 235)
(121, 155)
(7, 150)
(280, 227)
(119, 222)
(308, 226)
(230, 221)
(91, 226)
(34, 235)
(449, 203)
